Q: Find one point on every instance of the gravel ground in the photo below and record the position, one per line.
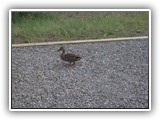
(109, 75)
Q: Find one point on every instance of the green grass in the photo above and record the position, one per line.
(60, 26)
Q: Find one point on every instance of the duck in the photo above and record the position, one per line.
(69, 57)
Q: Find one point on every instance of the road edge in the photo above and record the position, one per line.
(79, 41)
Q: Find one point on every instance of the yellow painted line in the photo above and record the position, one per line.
(79, 41)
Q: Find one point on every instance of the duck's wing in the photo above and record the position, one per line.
(71, 57)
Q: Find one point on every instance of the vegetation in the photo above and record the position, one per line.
(30, 27)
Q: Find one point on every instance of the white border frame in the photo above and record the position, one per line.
(10, 45)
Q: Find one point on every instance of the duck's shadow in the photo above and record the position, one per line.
(60, 65)
(67, 65)
(77, 64)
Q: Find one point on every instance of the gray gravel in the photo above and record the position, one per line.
(109, 75)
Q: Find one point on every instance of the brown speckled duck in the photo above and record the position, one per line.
(69, 57)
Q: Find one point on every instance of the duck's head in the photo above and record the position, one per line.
(61, 49)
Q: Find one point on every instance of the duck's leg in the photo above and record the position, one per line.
(67, 65)
(72, 63)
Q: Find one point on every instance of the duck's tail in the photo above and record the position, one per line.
(78, 58)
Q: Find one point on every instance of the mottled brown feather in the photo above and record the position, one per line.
(69, 57)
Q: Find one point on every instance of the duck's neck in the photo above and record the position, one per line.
(63, 52)
(62, 55)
